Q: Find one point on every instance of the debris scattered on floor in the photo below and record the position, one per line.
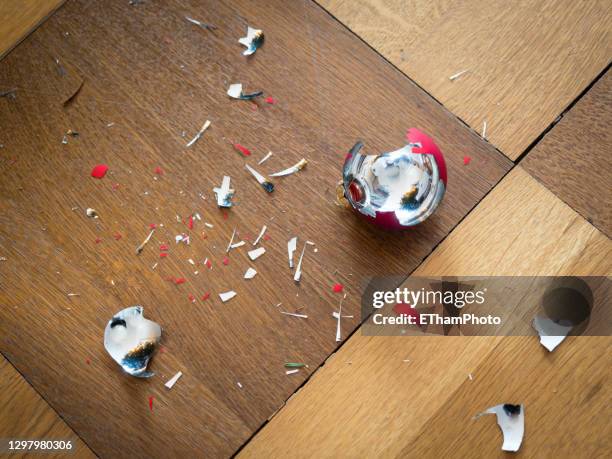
(264, 182)
(338, 327)
(172, 381)
(292, 372)
(466, 160)
(265, 158)
(253, 40)
(293, 314)
(291, 170)
(131, 340)
(270, 100)
(226, 296)
(145, 242)
(261, 233)
(256, 253)
(338, 288)
(151, 398)
(224, 193)
(235, 92)
(69, 133)
(291, 247)
(551, 333)
(200, 24)
(229, 246)
(99, 171)
(199, 134)
(298, 271)
(511, 421)
(9, 94)
(484, 130)
(91, 213)
(250, 273)
(243, 150)
(457, 75)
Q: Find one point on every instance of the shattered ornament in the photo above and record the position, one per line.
(131, 340)
(398, 189)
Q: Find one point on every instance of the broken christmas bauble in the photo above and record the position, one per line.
(395, 190)
(131, 340)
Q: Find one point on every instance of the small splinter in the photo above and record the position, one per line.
(291, 170)
(338, 329)
(145, 242)
(201, 24)
(250, 273)
(229, 246)
(484, 130)
(291, 247)
(292, 372)
(264, 182)
(172, 381)
(261, 233)
(199, 134)
(457, 75)
(226, 296)
(235, 92)
(292, 314)
(265, 158)
(298, 270)
(224, 193)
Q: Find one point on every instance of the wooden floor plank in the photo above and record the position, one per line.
(526, 61)
(367, 402)
(19, 18)
(573, 159)
(149, 75)
(24, 415)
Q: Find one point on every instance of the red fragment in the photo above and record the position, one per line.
(163, 247)
(190, 223)
(404, 309)
(225, 215)
(266, 237)
(209, 264)
(338, 288)
(466, 160)
(159, 171)
(98, 240)
(270, 100)
(117, 236)
(180, 280)
(152, 226)
(99, 171)
(226, 261)
(192, 298)
(151, 398)
(163, 255)
(205, 296)
(245, 151)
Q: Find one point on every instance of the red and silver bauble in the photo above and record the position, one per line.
(399, 189)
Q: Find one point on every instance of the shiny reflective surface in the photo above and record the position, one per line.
(398, 189)
(131, 340)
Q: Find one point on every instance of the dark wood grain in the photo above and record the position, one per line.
(154, 75)
(573, 159)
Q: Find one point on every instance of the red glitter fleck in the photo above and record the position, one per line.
(151, 398)
(266, 237)
(117, 236)
(209, 264)
(99, 171)
(180, 280)
(404, 309)
(163, 255)
(338, 288)
(190, 223)
(270, 100)
(245, 151)
(205, 296)
(225, 215)
(466, 160)
(98, 240)
(226, 261)
(163, 247)
(159, 171)
(152, 226)
(192, 298)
